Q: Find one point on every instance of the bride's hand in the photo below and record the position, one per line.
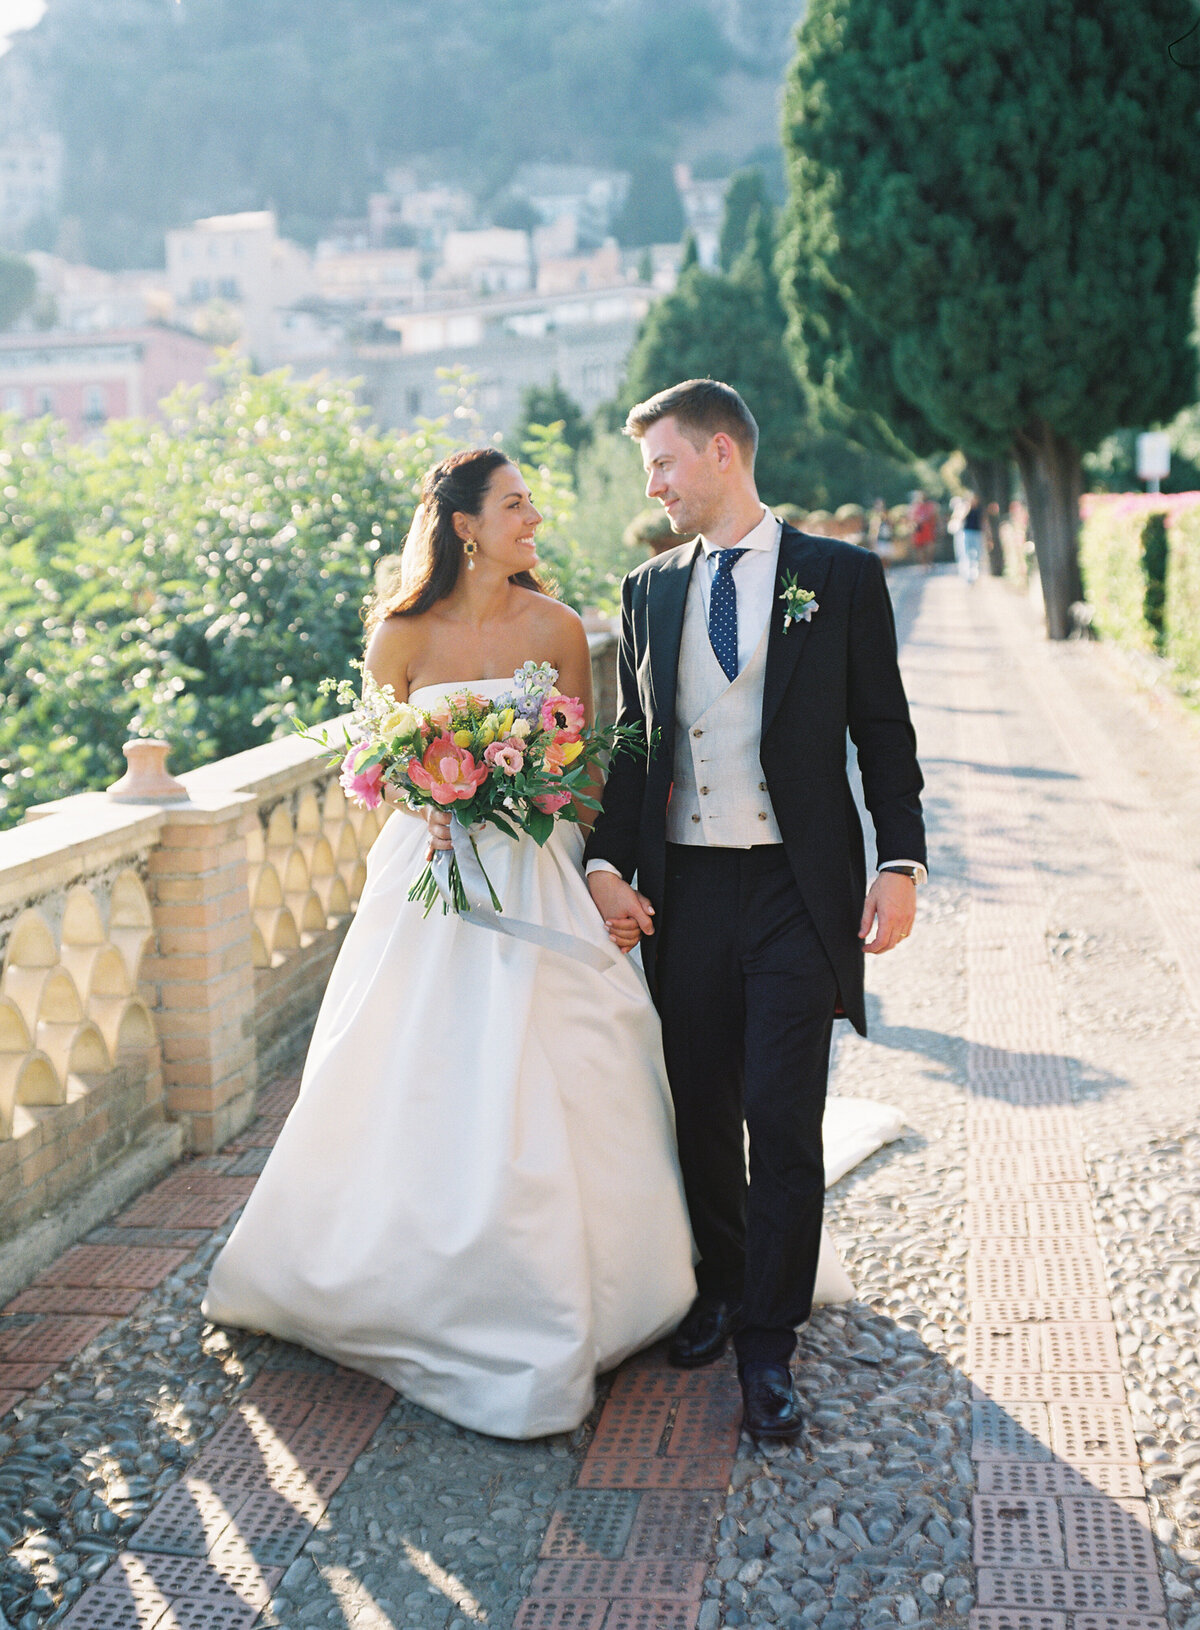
(438, 821)
(627, 914)
(623, 932)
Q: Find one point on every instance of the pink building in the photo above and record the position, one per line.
(86, 379)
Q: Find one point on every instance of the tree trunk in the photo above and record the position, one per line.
(1052, 473)
(991, 479)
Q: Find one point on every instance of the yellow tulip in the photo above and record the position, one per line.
(571, 751)
(506, 721)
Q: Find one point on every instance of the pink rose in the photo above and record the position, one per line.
(449, 774)
(365, 786)
(551, 802)
(506, 755)
(564, 716)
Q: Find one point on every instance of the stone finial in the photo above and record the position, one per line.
(147, 780)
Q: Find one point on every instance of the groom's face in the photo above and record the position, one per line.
(685, 479)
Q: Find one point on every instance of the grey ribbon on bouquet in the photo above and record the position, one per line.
(483, 914)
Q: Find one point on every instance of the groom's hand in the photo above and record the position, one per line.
(627, 914)
(891, 906)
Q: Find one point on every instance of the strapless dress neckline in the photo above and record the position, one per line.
(451, 687)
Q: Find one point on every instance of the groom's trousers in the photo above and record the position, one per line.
(747, 997)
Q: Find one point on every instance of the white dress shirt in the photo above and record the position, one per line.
(754, 578)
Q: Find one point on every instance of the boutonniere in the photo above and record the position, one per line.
(800, 603)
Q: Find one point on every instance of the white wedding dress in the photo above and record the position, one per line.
(476, 1197)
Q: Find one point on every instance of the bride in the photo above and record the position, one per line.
(476, 1197)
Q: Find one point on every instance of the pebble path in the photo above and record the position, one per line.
(1003, 1429)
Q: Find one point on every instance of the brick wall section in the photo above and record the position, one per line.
(201, 978)
(286, 999)
(54, 1151)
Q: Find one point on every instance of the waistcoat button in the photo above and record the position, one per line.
(696, 818)
(762, 786)
(703, 791)
(697, 732)
(762, 814)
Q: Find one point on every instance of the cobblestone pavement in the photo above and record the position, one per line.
(1003, 1428)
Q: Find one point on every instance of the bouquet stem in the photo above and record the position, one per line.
(426, 892)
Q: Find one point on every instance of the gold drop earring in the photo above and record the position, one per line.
(469, 549)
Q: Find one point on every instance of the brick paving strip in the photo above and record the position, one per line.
(630, 1545)
(1062, 1537)
(210, 1551)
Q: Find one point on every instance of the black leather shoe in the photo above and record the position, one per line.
(704, 1333)
(771, 1408)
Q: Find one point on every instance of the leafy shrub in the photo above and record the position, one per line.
(199, 577)
(1110, 561)
(1154, 573)
(1131, 544)
(1181, 611)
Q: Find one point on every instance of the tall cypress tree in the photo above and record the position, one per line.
(729, 327)
(745, 197)
(993, 231)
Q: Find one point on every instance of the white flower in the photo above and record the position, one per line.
(799, 604)
(401, 721)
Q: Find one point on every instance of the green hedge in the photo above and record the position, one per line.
(200, 576)
(1110, 558)
(1118, 547)
(1181, 620)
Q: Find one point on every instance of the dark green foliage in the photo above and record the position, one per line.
(176, 110)
(548, 405)
(745, 197)
(198, 578)
(18, 287)
(652, 212)
(201, 577)
(517, 214)
(731, 327)
(1154, 571)
(993, 230)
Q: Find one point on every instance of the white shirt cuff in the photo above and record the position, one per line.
(922, 876)
(600, 866)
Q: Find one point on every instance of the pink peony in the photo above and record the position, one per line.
(447, 773)
(507, 755)
(551, 802)
(564, 716)
(366, 786)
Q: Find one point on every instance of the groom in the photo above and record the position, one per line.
(748, 655)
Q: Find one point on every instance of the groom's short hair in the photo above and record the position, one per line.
(702, 408)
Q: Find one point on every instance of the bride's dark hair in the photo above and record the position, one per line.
(433, 554)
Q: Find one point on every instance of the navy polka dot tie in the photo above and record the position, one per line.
(722, 612)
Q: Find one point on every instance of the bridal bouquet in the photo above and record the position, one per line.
(519, 761)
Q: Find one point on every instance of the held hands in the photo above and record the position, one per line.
(891, 906)
(627, 914)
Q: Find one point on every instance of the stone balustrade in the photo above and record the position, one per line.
(159, 958)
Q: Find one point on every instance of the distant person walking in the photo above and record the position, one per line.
(966, 528)
(880, 533)
(923, 518)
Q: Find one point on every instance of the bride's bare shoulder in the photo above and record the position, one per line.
(392, 648)
(552, 615)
